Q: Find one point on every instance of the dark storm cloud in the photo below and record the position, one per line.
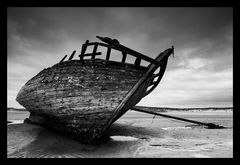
(182, 26)
(202, 37)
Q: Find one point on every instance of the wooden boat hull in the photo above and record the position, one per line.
(77, 98)
(82, 98)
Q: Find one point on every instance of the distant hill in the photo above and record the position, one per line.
(16, 109)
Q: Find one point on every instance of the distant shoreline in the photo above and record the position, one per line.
(167, 109)
(16, 109)
(159, 109)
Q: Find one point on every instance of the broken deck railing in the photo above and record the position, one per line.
(113, 44)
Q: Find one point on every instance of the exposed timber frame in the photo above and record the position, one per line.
(113, 44)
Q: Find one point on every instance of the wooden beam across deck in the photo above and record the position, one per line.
(127, 50)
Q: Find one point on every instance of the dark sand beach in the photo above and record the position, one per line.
(134, 135)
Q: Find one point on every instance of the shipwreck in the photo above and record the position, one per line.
(82, 98)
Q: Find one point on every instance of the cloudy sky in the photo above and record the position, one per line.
(199, 75)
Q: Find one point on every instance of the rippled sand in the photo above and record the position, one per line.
(134, 135)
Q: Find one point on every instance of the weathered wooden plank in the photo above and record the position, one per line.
(94, 51)
(63, 59)
(124, 57)
(108, 53)
(84, 48)
(71, 57)
(137, 62)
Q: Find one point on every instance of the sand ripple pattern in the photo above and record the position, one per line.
(50, 145)
(42, 154)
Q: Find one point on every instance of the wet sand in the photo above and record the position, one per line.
(134, 135)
